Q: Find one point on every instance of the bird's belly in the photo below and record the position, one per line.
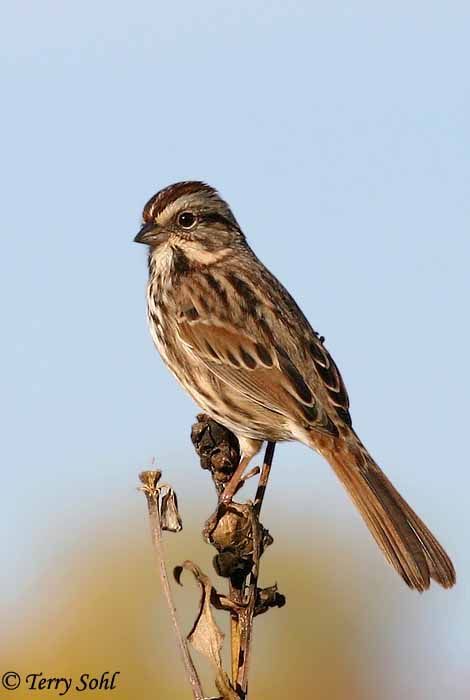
(222, 402)
(226, 405)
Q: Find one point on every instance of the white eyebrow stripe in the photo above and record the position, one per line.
(170, 210)
(184, 201)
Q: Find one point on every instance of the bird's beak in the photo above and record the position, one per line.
(147, 233)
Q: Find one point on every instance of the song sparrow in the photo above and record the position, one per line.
(241, 347)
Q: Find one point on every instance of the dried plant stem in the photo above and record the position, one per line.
(236, 595)
(264, 477)
(244, 627)
(150, 479)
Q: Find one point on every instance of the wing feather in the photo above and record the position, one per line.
(268, 361)
(265, 377)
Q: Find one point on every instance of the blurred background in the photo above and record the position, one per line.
(339, 132)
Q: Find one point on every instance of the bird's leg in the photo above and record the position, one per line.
(249, 448)
(230, 489)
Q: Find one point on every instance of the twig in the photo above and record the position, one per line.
(263, 480)
(247, 613)
(149, 480)
(236, 589)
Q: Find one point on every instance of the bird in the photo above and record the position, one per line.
(239, 344)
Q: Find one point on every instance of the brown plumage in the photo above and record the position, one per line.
(239, 344)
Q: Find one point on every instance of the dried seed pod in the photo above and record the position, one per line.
(217, 447)
(268, 598)
(230, 532)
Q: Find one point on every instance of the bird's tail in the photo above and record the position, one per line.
(402, 536)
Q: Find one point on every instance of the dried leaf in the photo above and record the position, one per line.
(170, 517)
(205, 635)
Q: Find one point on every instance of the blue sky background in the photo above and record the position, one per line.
(339, 132)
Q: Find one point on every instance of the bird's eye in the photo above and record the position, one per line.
(186, 219)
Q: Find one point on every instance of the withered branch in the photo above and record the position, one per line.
(164, 507)
(239, 538)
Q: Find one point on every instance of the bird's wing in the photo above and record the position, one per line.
(255, 358)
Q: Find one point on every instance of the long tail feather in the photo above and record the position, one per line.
(402, 536)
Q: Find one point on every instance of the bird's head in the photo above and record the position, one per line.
(191, 216)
